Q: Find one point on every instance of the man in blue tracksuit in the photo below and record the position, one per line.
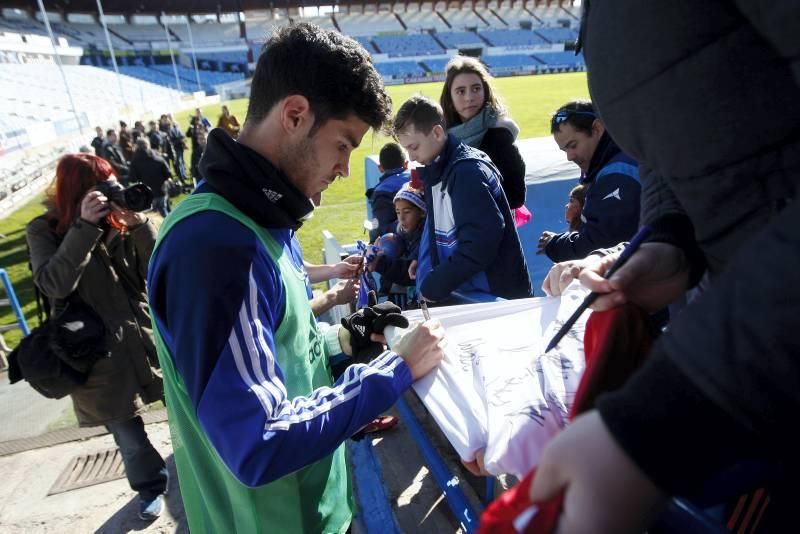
(257, 420)
(394, 166)
(469, 242)
(611, 210)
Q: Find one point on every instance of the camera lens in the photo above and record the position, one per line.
(138, 197)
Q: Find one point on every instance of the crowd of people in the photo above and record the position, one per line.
(258, 418)
(154, 155)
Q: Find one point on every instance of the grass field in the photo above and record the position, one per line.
(531, 101)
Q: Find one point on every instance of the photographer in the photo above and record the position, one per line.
(88, 247)
(150, 169)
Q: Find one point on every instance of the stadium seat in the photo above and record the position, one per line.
(512, 38)
(400, 69)
(407, 45)
(459, 39)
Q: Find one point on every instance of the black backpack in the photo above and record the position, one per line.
(57, 356)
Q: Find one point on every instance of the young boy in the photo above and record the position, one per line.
(393, 267)
(573, 210)
(469, 241)
(393, 163)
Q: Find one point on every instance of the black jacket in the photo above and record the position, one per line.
(611, 208)
(150, 169)
(704, 95)
(113, 154)
(97, 145)
(498, 144)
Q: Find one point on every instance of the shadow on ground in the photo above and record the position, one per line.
(126, 519)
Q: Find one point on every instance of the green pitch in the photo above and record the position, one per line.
(531, 101)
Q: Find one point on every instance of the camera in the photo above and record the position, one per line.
(137, 197)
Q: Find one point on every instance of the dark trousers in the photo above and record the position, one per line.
(180, 165)
(161, 206)
(144, 467)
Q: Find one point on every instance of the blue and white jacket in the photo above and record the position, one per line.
(611, 209)
(470, 241)
(217, 298)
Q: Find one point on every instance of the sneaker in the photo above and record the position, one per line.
(150, 509)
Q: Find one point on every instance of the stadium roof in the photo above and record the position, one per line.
(129, 7)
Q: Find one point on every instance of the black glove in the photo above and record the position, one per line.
(371, 320)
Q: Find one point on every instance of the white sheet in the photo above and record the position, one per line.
(495, 390)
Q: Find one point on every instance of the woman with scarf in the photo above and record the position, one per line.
(474, 114)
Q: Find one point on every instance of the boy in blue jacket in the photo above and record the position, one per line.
(469, 242)
(394, 166)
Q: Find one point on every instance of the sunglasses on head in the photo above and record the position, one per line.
(565, 114)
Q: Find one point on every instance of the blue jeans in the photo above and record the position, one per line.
(144, 467)
(160, 205)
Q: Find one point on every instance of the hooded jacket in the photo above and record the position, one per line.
(704, 96)
(470, 238)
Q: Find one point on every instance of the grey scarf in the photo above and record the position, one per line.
(471, 132)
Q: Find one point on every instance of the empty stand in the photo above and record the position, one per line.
(208, 33)
(557, 35)
(139, 33)
(407, 45)
(459, 39)
(424, 20)
(366, 42)
(514, 17)
(510, 62)
(553, 16)
(34, 93)
(400, 69)
(435, 65)
(512, 38)
(460, 19)
(365, 24)
(560, 59)
(491, 17)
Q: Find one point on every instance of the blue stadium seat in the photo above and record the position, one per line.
(509, 62)
(459, 39)
(366, 42)
(407, 45)
(400, 69)
(557, 35)
(435, 65)
(560, 61)
(512, 37)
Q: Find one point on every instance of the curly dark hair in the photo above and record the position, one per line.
(332, 71)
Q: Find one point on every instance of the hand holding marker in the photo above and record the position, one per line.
(633, 246)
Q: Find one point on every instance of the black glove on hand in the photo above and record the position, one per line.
(371, 320)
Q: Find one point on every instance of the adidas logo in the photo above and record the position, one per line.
(613, 194)
(360, 328)
(273, 196)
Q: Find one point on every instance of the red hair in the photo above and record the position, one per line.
(76, 174)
